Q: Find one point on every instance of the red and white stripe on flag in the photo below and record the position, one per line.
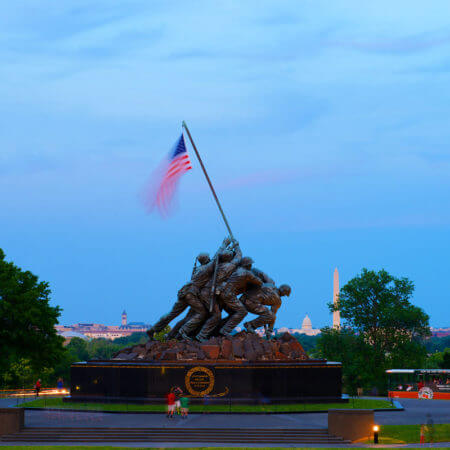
(178, 163)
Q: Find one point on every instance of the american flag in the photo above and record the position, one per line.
(177, 163)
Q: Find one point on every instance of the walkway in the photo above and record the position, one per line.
(415, 413)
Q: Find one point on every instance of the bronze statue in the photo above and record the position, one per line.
(225, 282)
(189, 294)
(256, 299)
(227, 263)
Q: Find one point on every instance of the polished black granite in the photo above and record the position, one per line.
(233, 381)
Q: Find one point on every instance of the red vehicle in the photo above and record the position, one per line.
(419, 383)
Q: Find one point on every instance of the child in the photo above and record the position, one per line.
(170, 404)
(178, 393)
(184, 406)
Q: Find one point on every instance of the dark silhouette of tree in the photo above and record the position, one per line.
(27, 321)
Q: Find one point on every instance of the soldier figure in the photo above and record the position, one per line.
(262, 276)
(238, 283)
(227, 264)
(189, 294)
(255, 299)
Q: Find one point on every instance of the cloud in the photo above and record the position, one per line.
(407, 44)
(263, 177)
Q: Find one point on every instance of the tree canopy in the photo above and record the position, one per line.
(382, 329)
(27, 321)
(376, 305)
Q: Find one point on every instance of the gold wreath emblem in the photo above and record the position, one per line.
(199, 381)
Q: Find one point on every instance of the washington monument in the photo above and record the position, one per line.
(336, 314)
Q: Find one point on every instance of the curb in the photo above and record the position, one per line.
(398, 407)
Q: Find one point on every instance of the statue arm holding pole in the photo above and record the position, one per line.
(237, 254)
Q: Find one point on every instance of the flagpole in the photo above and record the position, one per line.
(208, 179)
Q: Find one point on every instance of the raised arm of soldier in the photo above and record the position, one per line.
(237, 254)
(201, 273)
(225, 243)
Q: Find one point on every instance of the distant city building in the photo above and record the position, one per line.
(440, 332)
(305, 329)
(97, 330)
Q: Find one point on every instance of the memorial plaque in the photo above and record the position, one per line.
(199, 381)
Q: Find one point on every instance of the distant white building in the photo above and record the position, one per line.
(99, 330)
(305, 329)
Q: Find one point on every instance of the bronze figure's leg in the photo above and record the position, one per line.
(210, 324)
(176, 310)
(264, 313)
(237, 313)
(173, 333)
(198, 315)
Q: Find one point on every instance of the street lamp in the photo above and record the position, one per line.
(376, 428)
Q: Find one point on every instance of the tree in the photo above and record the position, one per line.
(352, 351)
(376, 306)
(437, 344)
(102, 349)
(439, 360)
(27, 321)
(78, 348)
(445, 364)
(132, 339)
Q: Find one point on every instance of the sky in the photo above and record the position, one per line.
(324, 127)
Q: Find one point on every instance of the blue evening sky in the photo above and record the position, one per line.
(324, 125)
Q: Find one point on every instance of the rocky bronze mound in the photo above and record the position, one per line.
(241, 347)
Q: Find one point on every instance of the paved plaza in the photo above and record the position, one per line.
(415, 412)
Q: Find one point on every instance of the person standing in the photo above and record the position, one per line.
(178, 393)
(37, 387)
(184, 406)
(170, 404)
(60, 384)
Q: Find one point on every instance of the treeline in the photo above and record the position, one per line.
(437, 344)
(437, 349)
(83, 350)
(22, 373)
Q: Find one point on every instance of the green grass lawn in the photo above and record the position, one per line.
(356, 404)
(410, 434)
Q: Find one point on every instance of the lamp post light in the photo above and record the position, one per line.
(376, 428)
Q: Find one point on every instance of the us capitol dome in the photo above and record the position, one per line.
(307, 327)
